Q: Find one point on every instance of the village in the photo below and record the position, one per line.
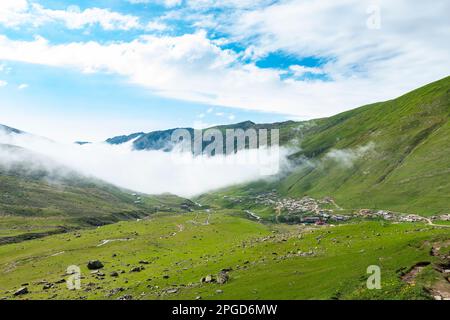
(307, 210)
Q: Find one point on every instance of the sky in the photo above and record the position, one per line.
(88, 70)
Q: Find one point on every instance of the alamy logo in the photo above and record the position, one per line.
(374, 20)
(374, 280)
(245, 147)
(74, 280)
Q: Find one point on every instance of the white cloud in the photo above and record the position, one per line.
(22, 86)
(156, 26)
(3, 83)
(74, 18)
(167, 3)
(299, 71)
(151, 172)
(363, 65)
(14, 13)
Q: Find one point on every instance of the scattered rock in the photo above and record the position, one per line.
(171, 291)
(198, 298)
(166, 277)
(144, 262)
(94, 265)
(21, 291)
(219, 291)
(222, 277)
(115, 291)
(48, 286)
(137, 269)
(114, 274)
(208, 279)
(126, 297)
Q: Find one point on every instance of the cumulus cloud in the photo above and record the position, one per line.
(151, 172)
(3, 83)
(360, 65)
(14, 13)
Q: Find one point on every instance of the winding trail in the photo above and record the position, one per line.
(436, 225)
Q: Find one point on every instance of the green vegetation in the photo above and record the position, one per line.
(393, 155)
(265, 261)
(52, 199)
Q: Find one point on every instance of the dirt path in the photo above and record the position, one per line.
(436, 225)
(254, 215)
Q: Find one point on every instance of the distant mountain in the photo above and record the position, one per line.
(9, 129)
(161, 140)
(390, 155)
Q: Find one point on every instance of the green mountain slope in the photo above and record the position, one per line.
(390, 155)
(38, 196)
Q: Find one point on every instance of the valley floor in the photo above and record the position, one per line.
(223, 254)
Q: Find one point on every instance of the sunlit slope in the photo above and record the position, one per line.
(264, 261)
(390, 155)
(399, 154)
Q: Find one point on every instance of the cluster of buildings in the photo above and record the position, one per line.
(388, 215)
(442, 217)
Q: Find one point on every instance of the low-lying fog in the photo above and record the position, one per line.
(151, 172)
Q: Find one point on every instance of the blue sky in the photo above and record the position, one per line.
(87, 70)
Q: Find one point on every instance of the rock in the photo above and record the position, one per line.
(144, 262)
(94, 265)
(21, 291)
(126, 297)
(208, 279)
(48, 286)
(437, 298)
(114, 274)
(222, 277)
(219, 291)
(198, 298)
(166, 277)
(175, 290)
(137, 269)
(114, 291)
(60, 281)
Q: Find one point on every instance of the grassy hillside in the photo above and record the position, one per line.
(39, 197)
(390, 155)
(172, 253)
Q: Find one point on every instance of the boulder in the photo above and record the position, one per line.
(21, 291)
(222, 277)
(208, 279)
(137, 269)
(94, 265)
